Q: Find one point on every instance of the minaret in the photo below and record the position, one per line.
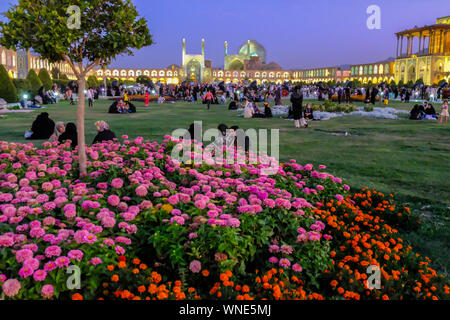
(203, 48)
(226, 48)
(184, 49)
(248, 48)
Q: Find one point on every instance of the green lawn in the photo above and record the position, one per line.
(407, 158)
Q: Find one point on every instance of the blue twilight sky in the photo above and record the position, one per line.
(295, 33)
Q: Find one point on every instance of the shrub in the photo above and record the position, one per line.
(23, 87)
(91, 82)
(7, 89)
(44, 76)
(35, 82)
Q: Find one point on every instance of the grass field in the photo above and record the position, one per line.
(407, 158)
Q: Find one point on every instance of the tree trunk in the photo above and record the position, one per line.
(80, 126)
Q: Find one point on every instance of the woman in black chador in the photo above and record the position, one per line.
(70, 134)
(42, 128)
(297, 106)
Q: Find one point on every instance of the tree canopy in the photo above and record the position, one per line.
(83, 33)
(107, 29)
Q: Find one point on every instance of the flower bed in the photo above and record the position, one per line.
(143, 226)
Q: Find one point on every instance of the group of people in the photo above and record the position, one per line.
(228, 136)
(44, 128)
(426, 111)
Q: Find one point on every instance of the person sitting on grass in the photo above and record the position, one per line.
(122, 107)
(258, 113)
(248, 111)
(234, 104)
(309, 112)
(59, 130)
(104, 133)
(42, 128)
(70, 134)
(429, 112)
(416, 113)
(267, 110)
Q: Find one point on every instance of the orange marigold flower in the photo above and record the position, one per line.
(141, 289)
(122, 264)
(115, 278)
(143, 266)
(135, 271)
(110, 267)
(77, 297)
(205, 273)
(238, 288)
(152, 289)
(177, 289)
(136, 261)
(223, 277)
(245, 289)
(229, 273)
(385, 297)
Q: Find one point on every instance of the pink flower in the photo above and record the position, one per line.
(274, 249)
(141, 191)
(52, 251)
(39, 275)
(201, 204)
(193, 235)
(297, 268)
(108, 222)
(195, 266)
(177, 219)
(273, 260)
(113, 200)
(95, 261)
(6, 241)
(173, 200)
(47, 186)
(62, 262)
(24, 254)
(32, 263)
(11, 287)
(25, 272)
(70, 210)
(286, 249)
(313, 236)
(285, 263)
(117, 183)
(339, 197)
(47, 291)
(75, 255)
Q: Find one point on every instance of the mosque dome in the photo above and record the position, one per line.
(253, 49)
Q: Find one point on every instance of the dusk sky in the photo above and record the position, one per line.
(296, 34)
